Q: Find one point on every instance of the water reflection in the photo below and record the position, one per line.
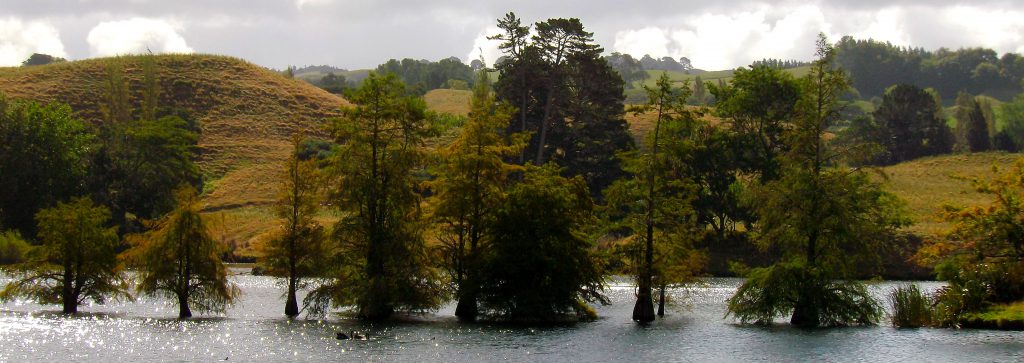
(255, 330)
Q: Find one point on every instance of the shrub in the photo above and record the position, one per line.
(12, 247)
(910, 307)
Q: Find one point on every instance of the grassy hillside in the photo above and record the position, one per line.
(927, 184)
(455, 102)
(247, 114)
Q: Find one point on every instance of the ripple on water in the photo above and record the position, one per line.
(255, 330)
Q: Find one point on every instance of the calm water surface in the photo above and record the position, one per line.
(254, 330)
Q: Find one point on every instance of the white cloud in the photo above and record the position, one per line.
(136, 35)
(886, 25)
(483, 46)
(999, 29)
(721, 41)
(301, 3)
(18, 40)
(649, 40)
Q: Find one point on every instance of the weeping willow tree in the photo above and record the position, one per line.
(178, 259)
(824, 218)
(77, 261)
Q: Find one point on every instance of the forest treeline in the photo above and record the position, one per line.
(521, 216)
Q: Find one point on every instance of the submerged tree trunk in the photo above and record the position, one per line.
(68, 298)
(661, 301)
(291, 307)
(466, 309)
(184, 312)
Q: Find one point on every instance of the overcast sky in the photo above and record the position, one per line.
(361, 34)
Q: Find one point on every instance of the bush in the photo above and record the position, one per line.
(910, 307)
(12, 247)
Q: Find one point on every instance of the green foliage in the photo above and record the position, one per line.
(628, 68)
(178, 259)
(139, 163)
(540, 267)
(779, 290)
(823, 219)
(982, 257)
(874, 66)
(656, 203)
(1013, 114)
(297, 251)
(38, 59)
(423, 75)
(43, 149)
(910, 125)
(567, 96)
(76, 262)
(12, 247)
(910, 307)
(382, 263)
(757, 104)
(971, 124)
(472, 179)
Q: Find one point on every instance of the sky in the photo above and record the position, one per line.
(354, 34)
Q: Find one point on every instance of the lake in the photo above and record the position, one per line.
(255, 330)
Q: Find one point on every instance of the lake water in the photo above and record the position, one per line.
(254, 330)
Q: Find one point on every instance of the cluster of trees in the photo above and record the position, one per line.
(78, 190)
(874, 66)
(424, 75)
(503, 219)
(779, 63)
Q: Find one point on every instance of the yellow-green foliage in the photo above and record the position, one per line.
(12, 247)
(927, 184)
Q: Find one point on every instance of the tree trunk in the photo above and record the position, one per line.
(68, 292)
(661, 301)
(183, 310)
(291, 307)
(466, 309)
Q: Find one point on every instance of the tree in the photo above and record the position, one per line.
(178, 259)
(139, 163)
(910, 125)
(76, 262)
(757, 104)
(657, 200)
(1013, 114)
(472, 179)
(297, 251)
(382, 247)
(539, 267)
(700, 91)
(43, 149)
(976, 130)
(823, 218)
(568, 96)
(38, 59)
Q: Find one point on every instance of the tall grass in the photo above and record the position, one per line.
(910, 307)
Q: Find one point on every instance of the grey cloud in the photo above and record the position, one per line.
(358, 34)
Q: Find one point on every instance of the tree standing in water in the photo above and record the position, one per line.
(76, 262)
(297, 250)
(823, 218)
(657, 201)
(382, 263)
(472, 180)
(178, 259)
